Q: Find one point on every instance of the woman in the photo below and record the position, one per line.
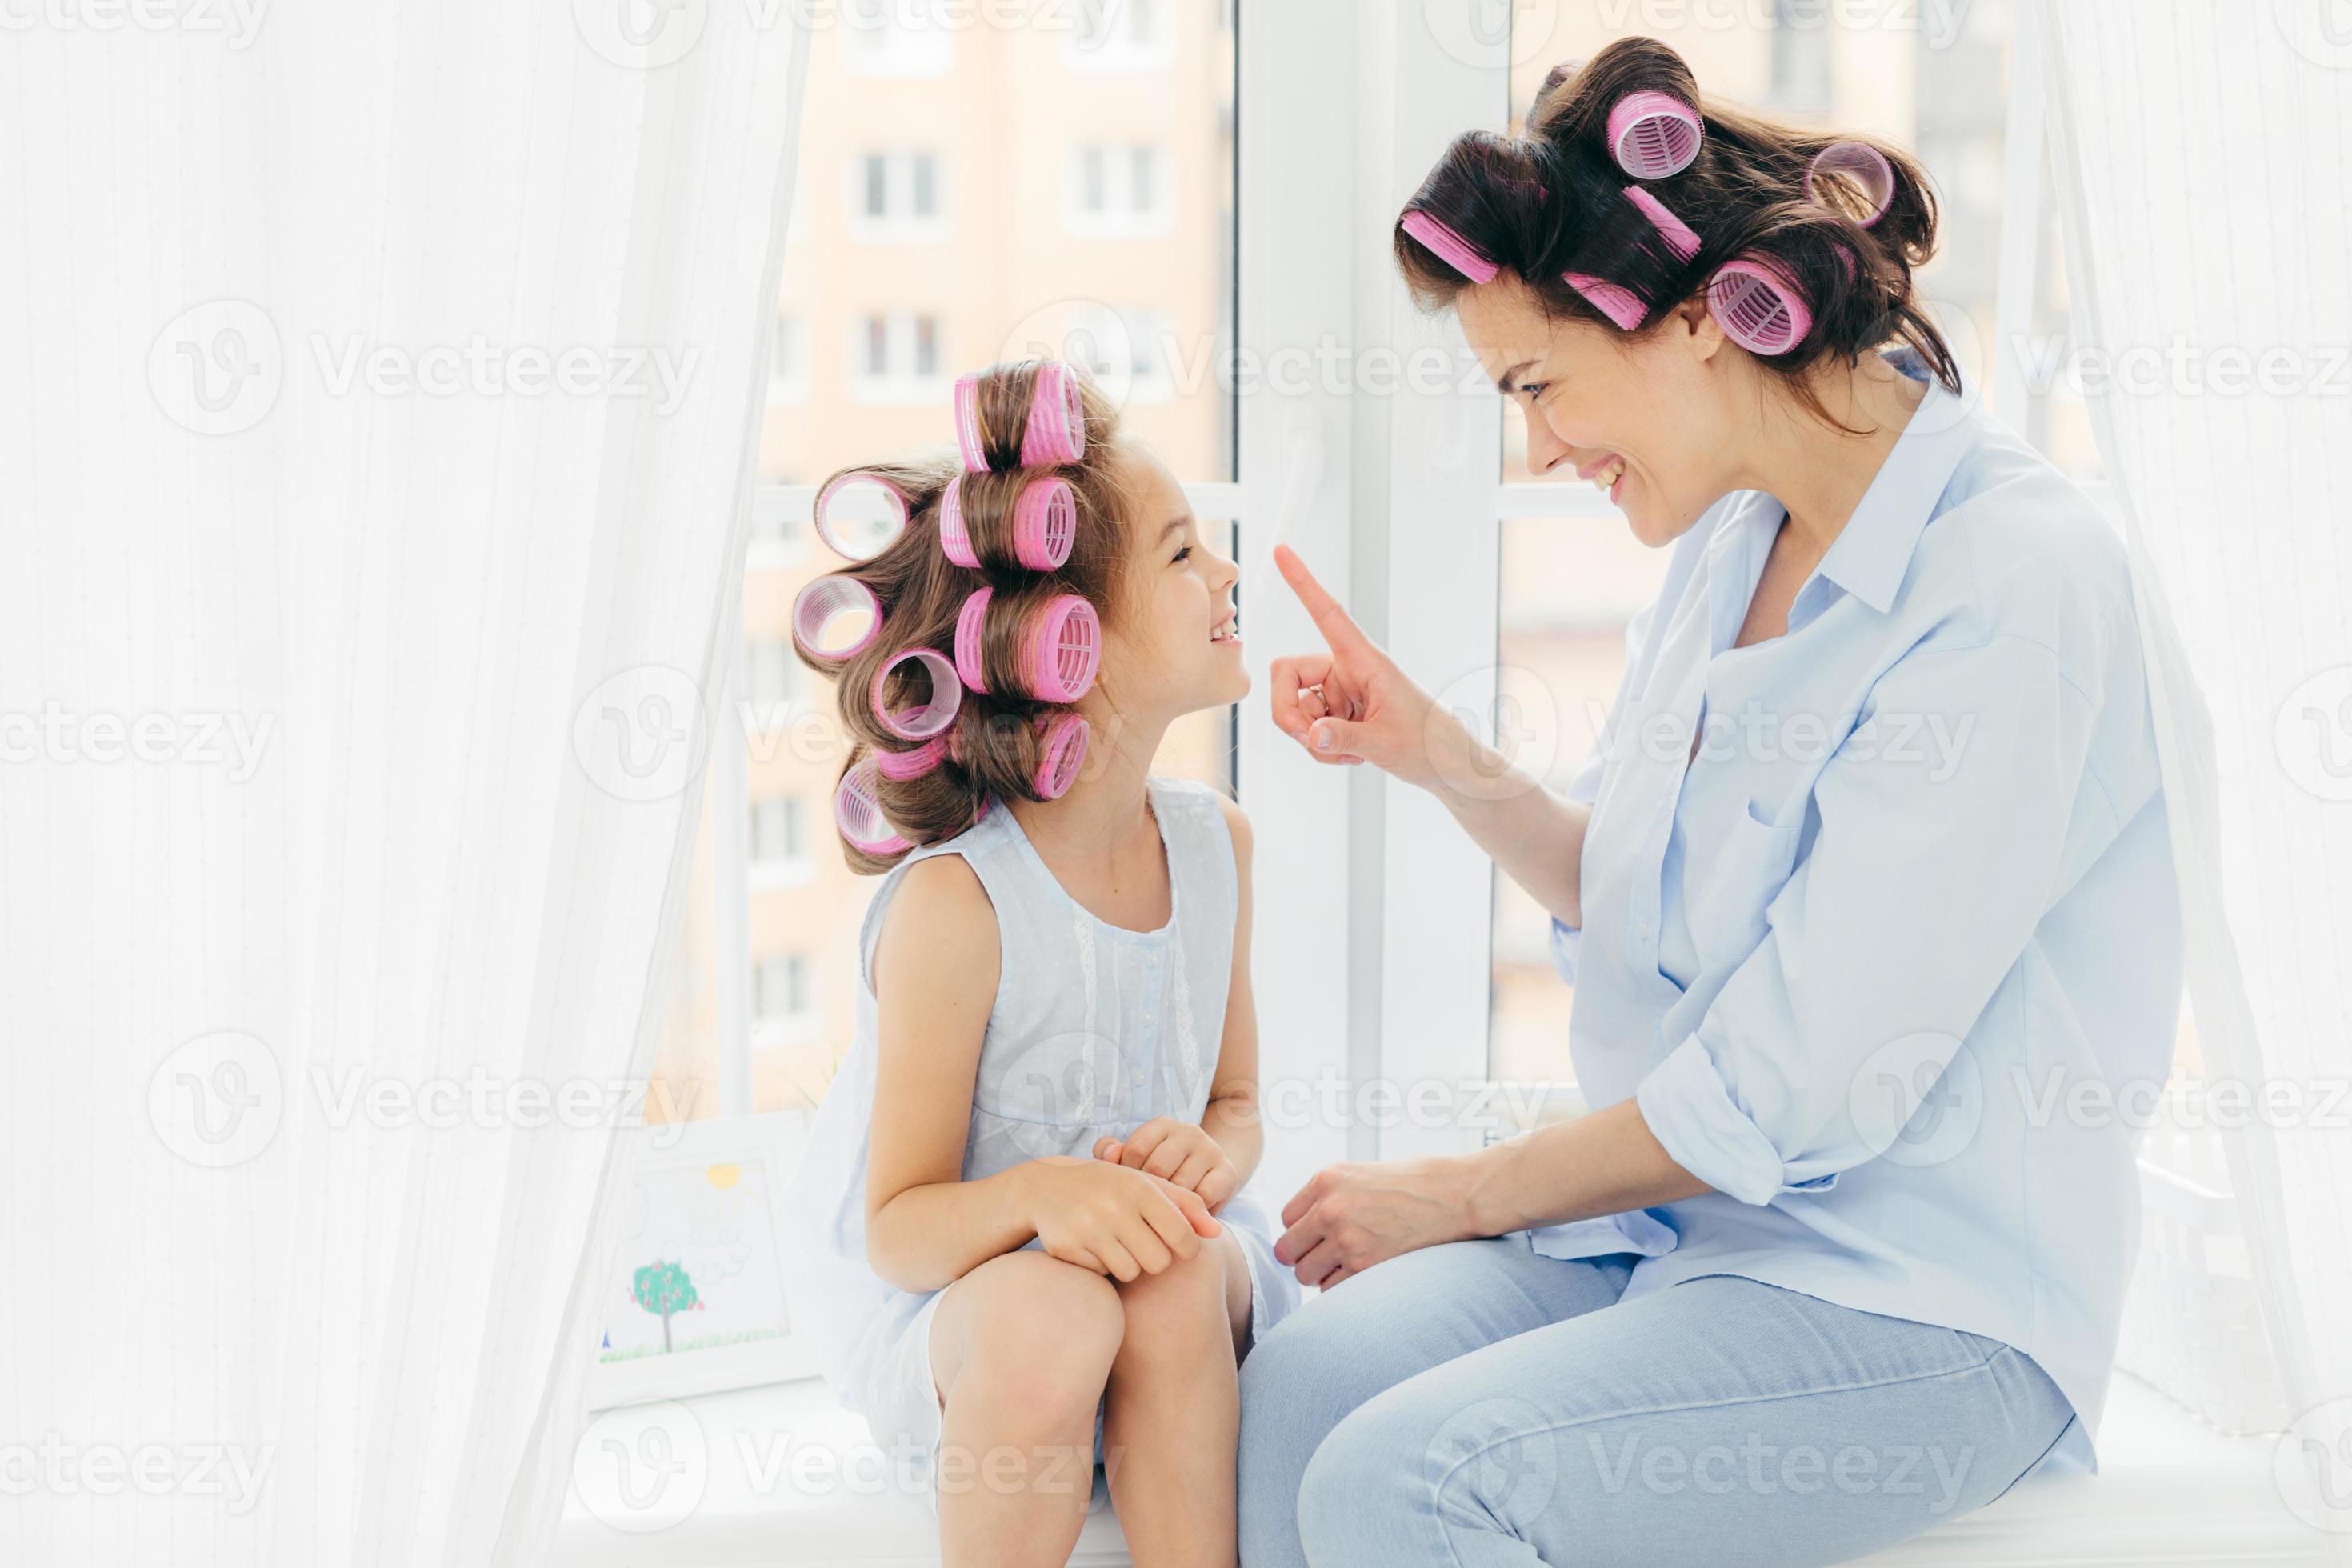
(1870, 873)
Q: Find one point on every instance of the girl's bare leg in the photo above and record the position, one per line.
(1021, 1348)
(1175, 1410)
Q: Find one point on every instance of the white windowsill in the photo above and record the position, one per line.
(2174, 1491)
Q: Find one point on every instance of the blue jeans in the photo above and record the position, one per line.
(1478, 1404)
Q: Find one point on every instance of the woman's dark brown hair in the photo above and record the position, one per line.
(1553, 201)
(995, 744)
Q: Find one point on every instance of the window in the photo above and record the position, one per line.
(772, 680)
(872, 335)
(780, 840)
(783, 1001)
(897, 359)
(1117, 191)
(896, 197)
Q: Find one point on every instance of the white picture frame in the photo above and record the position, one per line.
(700, 1213)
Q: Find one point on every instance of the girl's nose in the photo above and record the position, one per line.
(1546, 451)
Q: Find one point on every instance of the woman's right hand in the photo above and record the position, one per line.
(1112, 1219)
(1354, 705)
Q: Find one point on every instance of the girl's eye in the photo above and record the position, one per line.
(1182, 555)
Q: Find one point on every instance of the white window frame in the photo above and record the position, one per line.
(769, 1031)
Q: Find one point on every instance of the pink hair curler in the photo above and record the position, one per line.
(969, 622)
(1758, 306)
(1853, 178)
(1064, 750)
(955, 540)
(1620, 304)
(1056, 431)
(819, 608)
(1447, 246)
(1044, 523)
(914, 764)
(967, 423)
(1680, 237)
(1058, 417)
(857, 810)
(1654, 134)
(873, 519)
(936, 712)
(1063, 650)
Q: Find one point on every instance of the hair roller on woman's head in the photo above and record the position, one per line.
(1014, 536)
(1801, 245)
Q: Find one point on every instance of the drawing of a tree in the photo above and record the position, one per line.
(664, 1289)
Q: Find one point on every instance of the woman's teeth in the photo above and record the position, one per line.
(1608, 477)
(1224, 629)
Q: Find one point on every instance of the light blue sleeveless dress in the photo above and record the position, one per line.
(1097, 1029)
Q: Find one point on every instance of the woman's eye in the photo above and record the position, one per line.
(1535, 390)
(1182, 555)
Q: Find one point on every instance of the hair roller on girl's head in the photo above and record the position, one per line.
(835, 618)
(1044, 525)
(939, 705)
(857, 515)
(857, 811)
(1054, 434)
(1055, 649)
(1654, 134)
(900, 766)
(1063, 749)
(1625, 309)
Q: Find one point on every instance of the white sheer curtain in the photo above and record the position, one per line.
(378, 394)
(2203, 156)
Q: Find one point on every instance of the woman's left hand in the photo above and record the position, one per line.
(1351, 1217)
(1176, 1151)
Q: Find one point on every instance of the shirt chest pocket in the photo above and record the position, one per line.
(1727, 884)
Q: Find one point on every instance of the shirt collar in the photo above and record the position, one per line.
(1872, 553)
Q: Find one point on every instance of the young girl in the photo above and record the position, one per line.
(1033, 1242)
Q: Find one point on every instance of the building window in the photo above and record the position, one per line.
(1117, 191)
(898, 357)
(897, 38)
(898, 197)
(782, 992)
(1131, 35)
(772, 678)
(780, 846)
(788, 369)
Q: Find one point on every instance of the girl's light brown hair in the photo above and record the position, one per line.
(995, 745)
(1553, 202)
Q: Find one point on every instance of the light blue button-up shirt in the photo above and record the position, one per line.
(1877, 964)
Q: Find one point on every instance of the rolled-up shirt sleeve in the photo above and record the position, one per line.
(1949, 821)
